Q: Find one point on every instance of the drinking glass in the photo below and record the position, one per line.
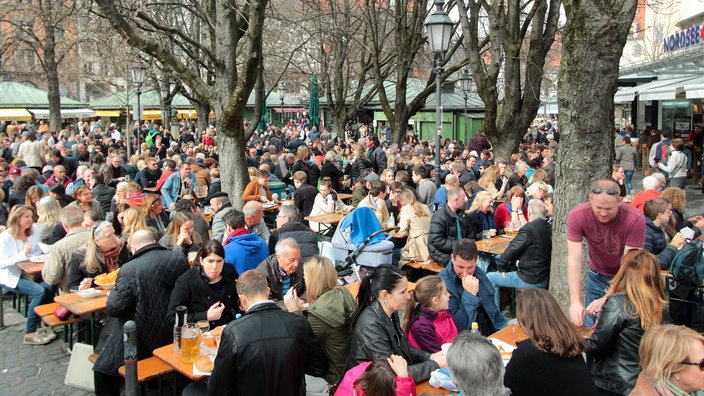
(190, 348)
(486, 234)
(203, 326)
(508, 228)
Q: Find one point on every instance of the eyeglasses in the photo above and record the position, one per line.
(699, 363)
(609, 191)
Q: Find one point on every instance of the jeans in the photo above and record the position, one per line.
(511, 280)
(629, 177)
(41, 293)
(596, 288)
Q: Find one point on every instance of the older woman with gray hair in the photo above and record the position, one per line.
(530, 250)
(476, 366)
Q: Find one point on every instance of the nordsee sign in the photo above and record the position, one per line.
(684, 39)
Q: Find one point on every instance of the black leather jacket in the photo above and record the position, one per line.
(376, 336)
(614, 346)
(270, 268)
(266, 352)
(532, 246)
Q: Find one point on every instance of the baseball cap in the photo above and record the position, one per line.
(15, 171)
(372, 177)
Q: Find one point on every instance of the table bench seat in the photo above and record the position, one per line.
(428, 266)
(149, 369)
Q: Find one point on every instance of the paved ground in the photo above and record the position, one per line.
(40, 370)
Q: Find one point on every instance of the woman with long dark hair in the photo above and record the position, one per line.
(377, 331)
(553, 346)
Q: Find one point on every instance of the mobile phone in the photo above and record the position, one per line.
(687, 233)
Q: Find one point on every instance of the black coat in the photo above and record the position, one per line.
(142, 294)
(376, 336)
(103, 194)
(198, 296)
(149, 178)
(527, 370)
(614, 346)
(330, 170)
(266, 352)
(305, 237)
(356, 169)
(442, 236)
(304, 198)
(532, 247)
(378, 158)
(77, 267)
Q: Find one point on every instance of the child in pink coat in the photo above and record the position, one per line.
(375, 378)
(429, 323)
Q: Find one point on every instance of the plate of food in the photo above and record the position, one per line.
(203, 365)
(505, 349)
(38, 259)
(106, 281)
(268, 205)
(89, 293)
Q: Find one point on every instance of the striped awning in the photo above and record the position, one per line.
(15, 115)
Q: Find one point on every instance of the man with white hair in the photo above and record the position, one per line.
(518, 178)
(531, 247)
(476, 366)
(650, 191)
(80, 180)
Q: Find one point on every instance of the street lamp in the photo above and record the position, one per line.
(466, 82)
(282, 92)
(439, 30)
(138, 77)
(164, 89)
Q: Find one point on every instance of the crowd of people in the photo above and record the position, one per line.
(161, 217)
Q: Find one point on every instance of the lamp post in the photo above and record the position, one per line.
(438, 27)
(466, 82)
(282, 92)
(164, 89)
(138, 77)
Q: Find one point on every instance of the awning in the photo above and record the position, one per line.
(694, 89)
(191, 113)
(107, 113)
(15, 115)
(662, 89)
(288, 109)
(42, 114)
(625, 95)
(152, 114)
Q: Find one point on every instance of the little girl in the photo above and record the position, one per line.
(428, 322)
(386, 377)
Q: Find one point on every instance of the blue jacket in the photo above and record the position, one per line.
(245, 252)
(656, 244)
(464, 304)
(172, 185)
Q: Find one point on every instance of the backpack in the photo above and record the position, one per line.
(665, 152)
(687, 266)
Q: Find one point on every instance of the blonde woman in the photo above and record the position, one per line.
(134, 221)
(670, 357)
(18, 243)
(489, 180)
(179, 236)
(48, 209)
(414, 223)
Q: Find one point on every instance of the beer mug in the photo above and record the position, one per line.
(190, 342)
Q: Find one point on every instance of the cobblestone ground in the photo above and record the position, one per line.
(29, 369)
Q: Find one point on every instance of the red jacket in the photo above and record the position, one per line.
(641, 197)
(502, 215)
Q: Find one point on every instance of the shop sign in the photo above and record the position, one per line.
(684, 39)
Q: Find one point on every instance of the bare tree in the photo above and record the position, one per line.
(223, 71)
(595, 35)
(496, 33)
(48, 28)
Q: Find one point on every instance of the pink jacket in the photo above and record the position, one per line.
(430, 329)
(404, 386)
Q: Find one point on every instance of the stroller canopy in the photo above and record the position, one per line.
(364, 223)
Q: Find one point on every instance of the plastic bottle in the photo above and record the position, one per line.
(475, 328)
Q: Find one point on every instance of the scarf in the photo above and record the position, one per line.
(670, 389)
(237, 232)
(111, 262)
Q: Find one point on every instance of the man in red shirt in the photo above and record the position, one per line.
(611, 229)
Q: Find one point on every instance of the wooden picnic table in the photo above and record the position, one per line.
(173, 359)
(271, 208)
(513, 334)
(494, 245)
(328, 220)
(425, 389)
(31, 269)
(344, 197)
(82, 306)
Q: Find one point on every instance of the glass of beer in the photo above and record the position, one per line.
(203, 326)
(190, 340)
(207, 213)
(508, 228)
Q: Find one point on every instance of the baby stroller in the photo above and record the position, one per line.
(359, 241)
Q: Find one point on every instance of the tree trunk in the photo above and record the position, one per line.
(233, 171)
(52, 80)
(504, 143)
(203, 113)
(594, 37)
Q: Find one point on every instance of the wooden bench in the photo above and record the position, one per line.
(428, 266)
(149, 369)
(45, 312)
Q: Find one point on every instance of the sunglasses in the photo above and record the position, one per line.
(699, 363)
(609, 191)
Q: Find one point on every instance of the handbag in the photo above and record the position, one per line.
(61, 312)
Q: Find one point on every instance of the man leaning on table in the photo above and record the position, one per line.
(273, 361)
(141, 293)
(611, 229)
(471, 292)
(55, 269)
